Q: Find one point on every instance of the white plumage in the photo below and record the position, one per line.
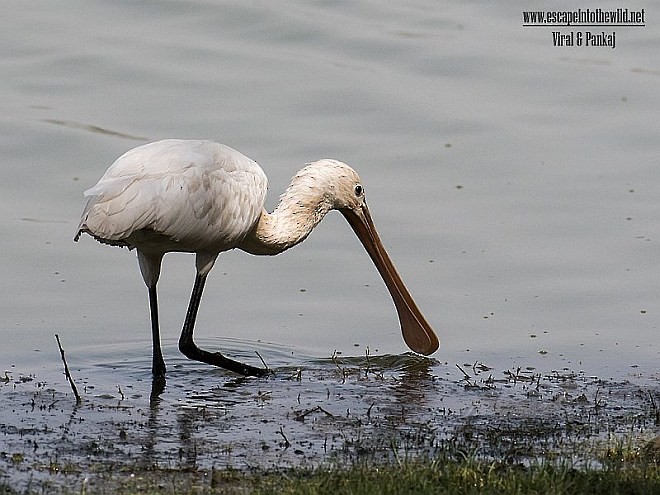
(204, 197)
(198, 195)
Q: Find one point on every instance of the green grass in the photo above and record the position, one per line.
(630, 474)
(465, 477)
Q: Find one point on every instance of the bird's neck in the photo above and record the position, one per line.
(301, 208)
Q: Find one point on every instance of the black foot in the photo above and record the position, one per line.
(191, 351)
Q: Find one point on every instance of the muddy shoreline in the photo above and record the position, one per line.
(335, 411)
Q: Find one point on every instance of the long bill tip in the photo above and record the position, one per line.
(417, 333)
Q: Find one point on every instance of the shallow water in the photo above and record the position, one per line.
(514, 183)
(332, 411)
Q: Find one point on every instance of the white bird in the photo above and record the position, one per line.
(203, 197)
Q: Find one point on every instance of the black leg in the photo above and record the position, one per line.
(157, 388)
(158, 364)
(188, 347)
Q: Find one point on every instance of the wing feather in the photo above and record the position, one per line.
(199, 195)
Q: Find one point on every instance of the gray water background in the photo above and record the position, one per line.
(515, 184)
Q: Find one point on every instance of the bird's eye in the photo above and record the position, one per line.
(358, 190)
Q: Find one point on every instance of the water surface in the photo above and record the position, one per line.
(514, 183)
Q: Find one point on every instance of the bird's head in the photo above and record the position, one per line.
(338, 184)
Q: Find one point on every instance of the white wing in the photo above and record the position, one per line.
(199, 195)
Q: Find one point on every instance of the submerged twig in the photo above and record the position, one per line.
(66, 371)
(343, 370)
(465, 375)
(263, 362)
(302, 415)
(287, 444)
